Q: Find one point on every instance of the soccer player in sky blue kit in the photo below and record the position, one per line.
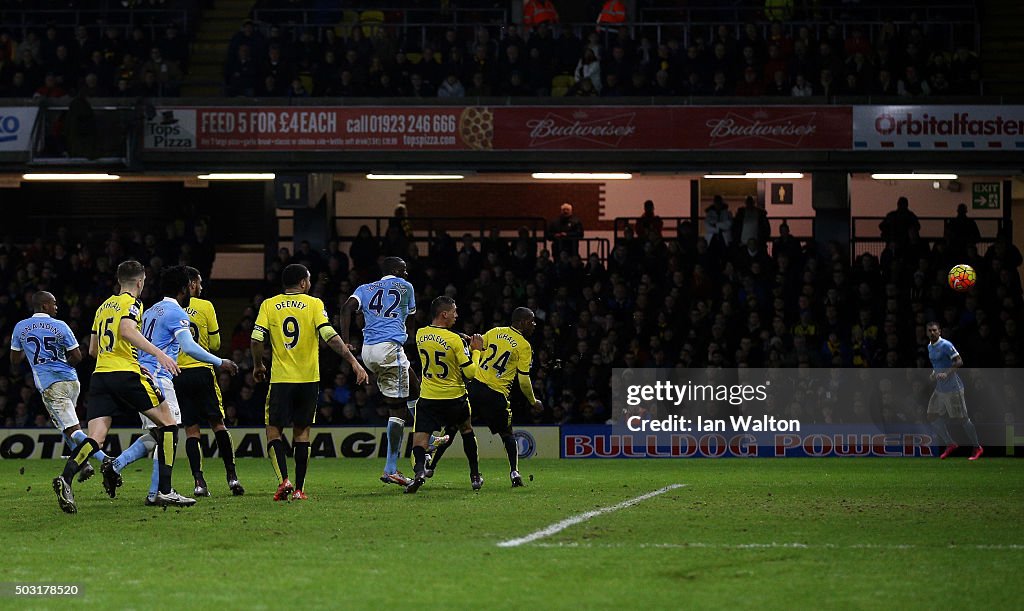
(385, 304)
(52, 352)
(947, 402)
(167, 326)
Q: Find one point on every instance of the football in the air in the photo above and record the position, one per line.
(961, 277)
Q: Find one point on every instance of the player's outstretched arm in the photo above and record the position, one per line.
(347, 310)
(342, 350)
(476, 345)
(135, 337)
(194, 350)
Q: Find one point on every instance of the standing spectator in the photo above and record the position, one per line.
(649, 222)
(612, 16)
(364, 251)
(565, 231)
(718, 224)
(896, 225)
(536, 12)
(752, 223)
(961, 232)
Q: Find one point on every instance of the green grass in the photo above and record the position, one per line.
(773, 533)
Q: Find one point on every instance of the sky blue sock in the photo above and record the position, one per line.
(154, 483)
(134, 452)
(395, 429)
(76, 440)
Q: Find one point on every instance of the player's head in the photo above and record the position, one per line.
(295, 277)
(44, 303)
(524, 320)
(934, 331)
(195, 281)
(443, 311)
(132, 277)
(174, 284)
(394, 266)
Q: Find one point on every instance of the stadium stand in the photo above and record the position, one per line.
(664, 299)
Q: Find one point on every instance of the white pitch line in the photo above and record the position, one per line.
(583, 517)
(698, 545)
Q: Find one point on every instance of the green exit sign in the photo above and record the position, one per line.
(985, 195)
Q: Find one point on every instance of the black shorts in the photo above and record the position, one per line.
(115, 392)
(198, 396)
(439, 414)
(490, 407)
(292, 403)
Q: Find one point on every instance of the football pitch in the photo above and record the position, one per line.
(846, 533)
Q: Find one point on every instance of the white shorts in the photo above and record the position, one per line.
(60, 399)
(166, 387)
(389, 363)
(950, 404)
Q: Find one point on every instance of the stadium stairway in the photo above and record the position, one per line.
(1002, 47)
(210, 47)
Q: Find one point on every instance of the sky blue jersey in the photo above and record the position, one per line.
(46, 342)
(385, 305)
(161, 325)
(941, 354)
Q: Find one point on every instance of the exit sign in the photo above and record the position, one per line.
(985, 195)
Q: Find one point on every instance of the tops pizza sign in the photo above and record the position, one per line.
(499, 128)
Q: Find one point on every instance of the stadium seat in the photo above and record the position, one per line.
(562, 81)
(371, 21)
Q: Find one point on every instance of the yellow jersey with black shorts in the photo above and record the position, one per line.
(196, 386)
(445, 361)
(506, 355)
(118, 383)
(294, 324)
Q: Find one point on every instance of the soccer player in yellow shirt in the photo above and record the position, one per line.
(506, 358)
(119, 383)
(294, 323)
(443, 403)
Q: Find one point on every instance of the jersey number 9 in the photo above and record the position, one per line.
(290, 328)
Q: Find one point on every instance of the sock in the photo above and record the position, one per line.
(972, 433)
(195, 457)
(278, 457)
(166, 447)
(76, 440)
(439, 452)
(939, 425)
(301, 463)
(396, 426)
(81, 454)
(411, 404)
(154, 480)
(226, 449)
(469, 445)
(143, 446)
(512, 450)
(420, 454)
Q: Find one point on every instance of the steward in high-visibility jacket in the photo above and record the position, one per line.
(613, 15)
(536, 12)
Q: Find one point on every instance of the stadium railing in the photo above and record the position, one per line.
(866, 236)
(96, 20)
(801, 227)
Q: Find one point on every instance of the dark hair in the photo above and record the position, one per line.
(193, 273)
(293, 274)
(128, 271)
(441, 304)
(391, 265)
(173, 280)
(521, 314)
(933, 323)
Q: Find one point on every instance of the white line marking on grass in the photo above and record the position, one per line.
(698, 545)
(583, 517)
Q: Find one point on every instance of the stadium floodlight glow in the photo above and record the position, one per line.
(757, 175)
(70, 177)
(238, 176)
(582, 175)
(415, 176)
(914, 176)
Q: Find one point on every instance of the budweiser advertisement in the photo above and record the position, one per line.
(938, 127)
(499, 128)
